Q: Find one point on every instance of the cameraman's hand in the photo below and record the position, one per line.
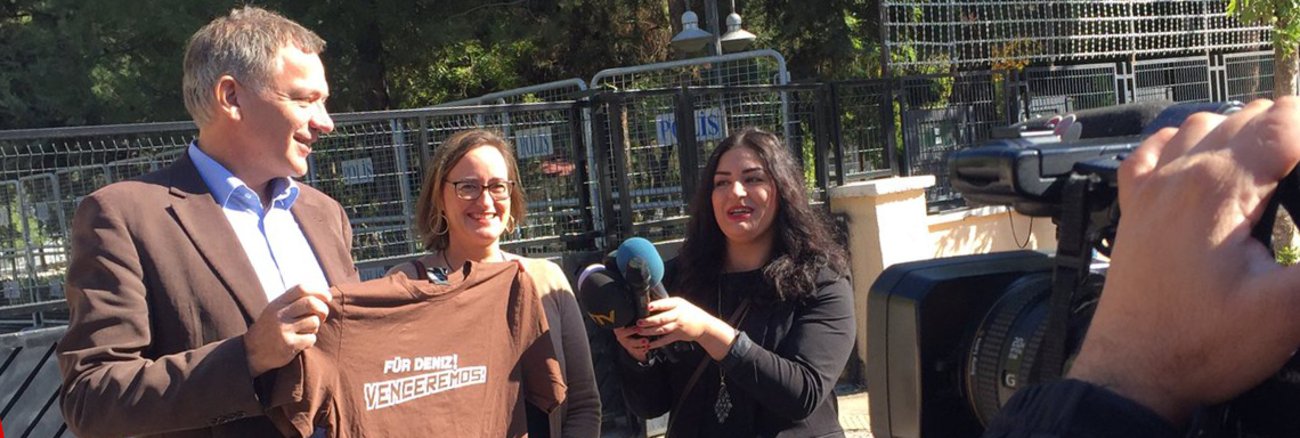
(635, 345)
(1194, 310)
(675, 319)
(286, 326)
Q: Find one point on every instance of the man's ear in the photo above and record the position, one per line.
(227, 91)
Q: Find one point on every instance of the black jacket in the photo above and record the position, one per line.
(1073, 408)
(780, 372)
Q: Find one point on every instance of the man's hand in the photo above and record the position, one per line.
(287, 326)
(1194, 310)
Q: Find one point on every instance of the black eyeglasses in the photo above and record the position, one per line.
(472, 190)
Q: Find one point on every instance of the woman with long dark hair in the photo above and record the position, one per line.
(762, 298)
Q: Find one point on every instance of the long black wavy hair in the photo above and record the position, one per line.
(803, 242)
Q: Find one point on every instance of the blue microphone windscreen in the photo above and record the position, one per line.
(639, 247)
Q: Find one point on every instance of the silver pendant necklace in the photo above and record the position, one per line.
(722, 404)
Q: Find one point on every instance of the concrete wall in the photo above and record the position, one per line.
(888, 224)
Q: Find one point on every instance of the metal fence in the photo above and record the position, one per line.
(596, 170)
(578, 158)
(555, 91)
(945, 113)
(755, 67)
(924, 35)
(647, 152)
(1247, 76)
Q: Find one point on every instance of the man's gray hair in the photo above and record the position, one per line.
(243, 45)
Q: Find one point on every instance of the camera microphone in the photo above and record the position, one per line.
(1116, 121)
(615, 294)
(606, 299)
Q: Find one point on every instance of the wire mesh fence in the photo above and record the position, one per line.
(1248, 76)
(44, 174)
(944, 113)
(1180, 80)
(757, 67)
(555, 91)
(577, 159)
(864, 131)
(646, 152)
(374, 166)
(921, 35)
(1068, 88)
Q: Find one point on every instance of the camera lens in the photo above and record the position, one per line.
(1006, 346)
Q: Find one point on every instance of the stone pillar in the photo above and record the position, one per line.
(887, 224)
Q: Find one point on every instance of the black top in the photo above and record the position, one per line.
(1073, 408)
(780, 371)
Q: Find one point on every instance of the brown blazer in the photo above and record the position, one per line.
(160, 294)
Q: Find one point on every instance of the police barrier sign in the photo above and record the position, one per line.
(358, 171)
(710, 124)
(534, 143)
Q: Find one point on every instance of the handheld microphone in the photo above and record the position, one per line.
(605, 298)
(642, 267)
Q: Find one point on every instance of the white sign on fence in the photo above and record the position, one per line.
(710, 124)
(11, 290)
(358, 171)
(534, 143)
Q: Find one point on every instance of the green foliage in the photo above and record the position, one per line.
(1287, 255)
(77, 62)
(1283, 15)
(69, 62)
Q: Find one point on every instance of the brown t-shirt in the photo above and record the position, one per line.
(403, 357)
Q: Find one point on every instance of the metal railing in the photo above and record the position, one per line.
(578, 158)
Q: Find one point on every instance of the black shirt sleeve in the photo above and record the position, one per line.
(646, 387)
(794, 378)
(1074, 408)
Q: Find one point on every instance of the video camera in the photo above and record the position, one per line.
(950, 340)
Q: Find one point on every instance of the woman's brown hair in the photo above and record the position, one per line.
(431, 221)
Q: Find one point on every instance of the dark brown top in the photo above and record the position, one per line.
(403, 357)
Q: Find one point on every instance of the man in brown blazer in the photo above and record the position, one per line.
(189, 286)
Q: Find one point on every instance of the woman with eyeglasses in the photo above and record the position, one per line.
(470, 197)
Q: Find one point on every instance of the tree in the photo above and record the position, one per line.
(1284, 16)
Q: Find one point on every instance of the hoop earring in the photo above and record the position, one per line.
(441, 220)
(510, 224)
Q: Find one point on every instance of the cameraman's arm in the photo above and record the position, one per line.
(1195, 311)
(1073, 408)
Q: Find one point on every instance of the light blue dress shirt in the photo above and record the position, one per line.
(271, 238)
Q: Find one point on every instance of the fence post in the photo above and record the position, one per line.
(404, 171)
(619, 148)
(580, 160)
(601, 147)
(889, 117)
(822, 139)
(836, 133)
(688, 148)
(27, 239)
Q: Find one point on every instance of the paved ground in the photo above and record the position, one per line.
(853, 414)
